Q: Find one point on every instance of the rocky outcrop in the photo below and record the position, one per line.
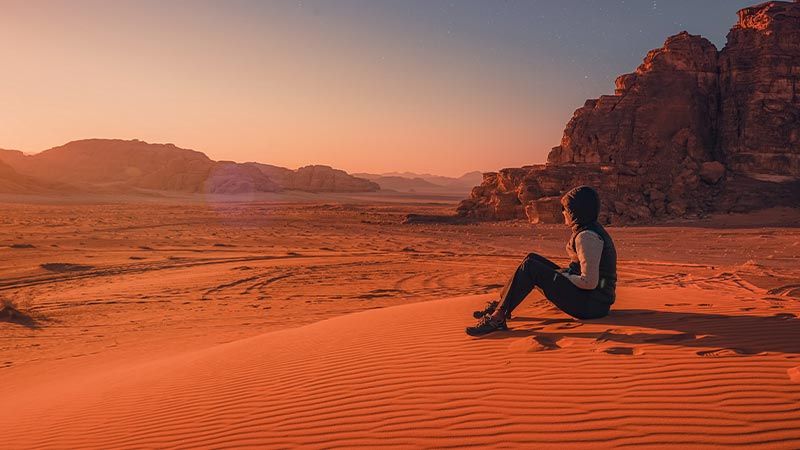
(692, 130)
(226, 177)
(317, 178)
(663, 111)
(131, 166)
(759, 78)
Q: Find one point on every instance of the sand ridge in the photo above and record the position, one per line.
(232, 326)
(407, 376)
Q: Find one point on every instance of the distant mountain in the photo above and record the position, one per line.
(316, 178)
(114, 165)
(402, 184)
(424, 183)
(12, 182)
(468, 179)
(107, 163)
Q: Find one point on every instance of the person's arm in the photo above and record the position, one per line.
(589, 247)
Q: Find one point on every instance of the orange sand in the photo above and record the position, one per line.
(239, 326)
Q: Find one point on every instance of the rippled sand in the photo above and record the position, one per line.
(234, 325)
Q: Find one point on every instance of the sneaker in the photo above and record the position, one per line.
(489, 309)
(486, 325)
(491, 306)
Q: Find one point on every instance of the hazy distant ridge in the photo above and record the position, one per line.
(424, 183)
(131, 166)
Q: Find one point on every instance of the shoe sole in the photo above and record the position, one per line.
(477, 334)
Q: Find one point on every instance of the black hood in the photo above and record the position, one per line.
(583, 205)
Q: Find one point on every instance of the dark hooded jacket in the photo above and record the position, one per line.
(583, 205)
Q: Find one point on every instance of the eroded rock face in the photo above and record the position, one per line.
(682, 135)
(760, 87)
(712, 171)
(662, 112)
(545, 210)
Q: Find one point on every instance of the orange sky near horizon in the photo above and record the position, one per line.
(436, 87)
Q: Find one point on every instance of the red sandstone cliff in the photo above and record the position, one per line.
(759, 77)
(692, 130)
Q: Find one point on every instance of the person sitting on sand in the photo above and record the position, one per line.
(584, 290)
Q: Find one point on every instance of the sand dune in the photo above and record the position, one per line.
(672, 366)
(255, 325)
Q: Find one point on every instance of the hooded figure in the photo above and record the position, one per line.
(585, 289)
(582, 207)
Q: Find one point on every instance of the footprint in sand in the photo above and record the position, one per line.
(544, 343)
(629, 351)
(541, 344)
(724, 352)
(609, 335)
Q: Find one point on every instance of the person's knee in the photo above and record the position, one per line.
(532, 257)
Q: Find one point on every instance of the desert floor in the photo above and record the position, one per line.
(329, 323)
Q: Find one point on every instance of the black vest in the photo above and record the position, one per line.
(605, 290)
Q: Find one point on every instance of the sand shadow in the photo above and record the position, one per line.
(11, 314)
(729, 334)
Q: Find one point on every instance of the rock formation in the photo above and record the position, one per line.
(759, 77)
(691, 131)
(316, 178)
(122, 166)
(226, 177)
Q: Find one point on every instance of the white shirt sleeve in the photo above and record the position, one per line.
(589, 246)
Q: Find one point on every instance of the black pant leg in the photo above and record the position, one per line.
(571, 299)
(533, 269)
(533, 257)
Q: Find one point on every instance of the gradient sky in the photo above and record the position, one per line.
(364, 85)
